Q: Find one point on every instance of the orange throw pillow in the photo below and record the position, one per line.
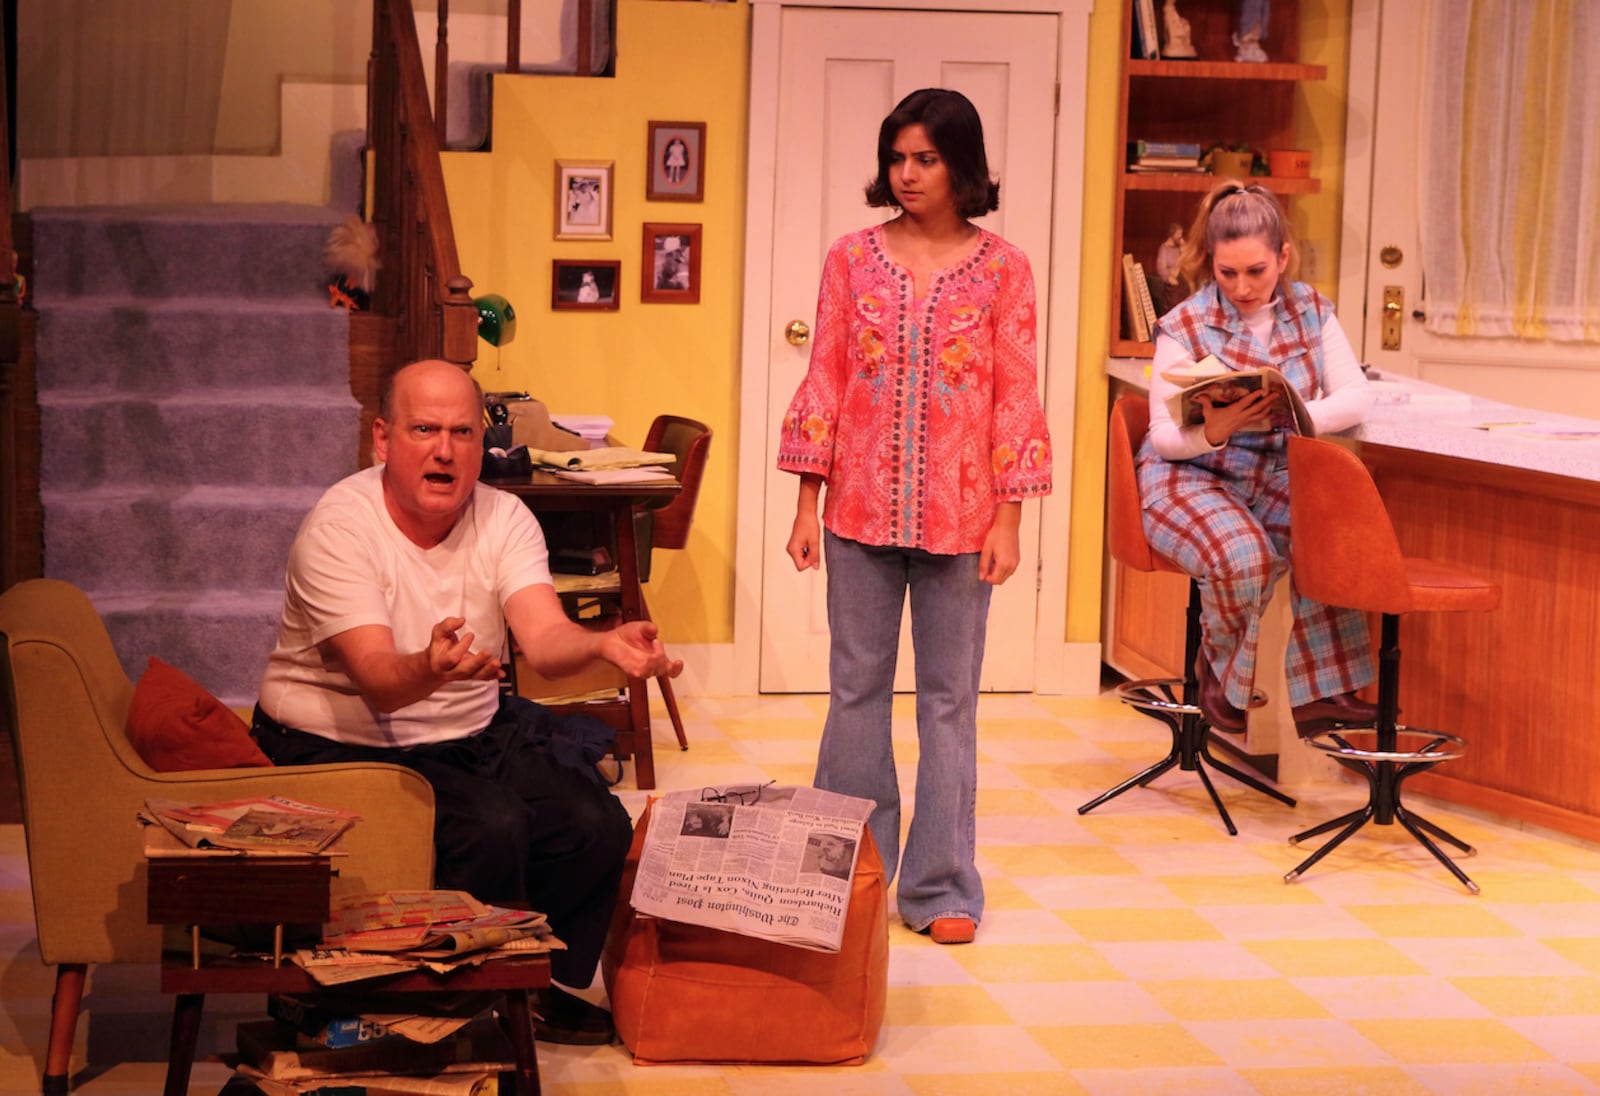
(175, 725)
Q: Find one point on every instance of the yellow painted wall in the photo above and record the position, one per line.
(1319, 125)
(688, 62)
(675, 62)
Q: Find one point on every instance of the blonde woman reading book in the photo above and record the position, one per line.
(1216, 492)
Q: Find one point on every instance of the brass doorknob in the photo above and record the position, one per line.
(797, 333)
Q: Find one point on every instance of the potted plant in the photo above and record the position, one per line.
(1238, 161)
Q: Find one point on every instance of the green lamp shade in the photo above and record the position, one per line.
(497, 320)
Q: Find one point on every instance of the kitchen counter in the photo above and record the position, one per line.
(1513, 495)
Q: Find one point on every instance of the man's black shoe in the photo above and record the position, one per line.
(561, 1017)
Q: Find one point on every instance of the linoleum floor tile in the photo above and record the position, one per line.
(1259, 1043)
(1387, 997)
(1344, 1080)
(1433, 1041)
(1137, 950)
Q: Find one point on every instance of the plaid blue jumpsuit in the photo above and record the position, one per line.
(1224, 516)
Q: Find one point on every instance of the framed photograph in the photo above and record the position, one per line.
(584, 284)
(583, 199)
(677, 162)
(670, 264)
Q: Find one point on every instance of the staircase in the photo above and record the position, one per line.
(194, 399)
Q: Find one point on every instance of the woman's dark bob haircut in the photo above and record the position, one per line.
(953, 126)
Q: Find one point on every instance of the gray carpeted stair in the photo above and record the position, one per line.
(194, 400)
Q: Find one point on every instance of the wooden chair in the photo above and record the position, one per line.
(662, 526)
(668, 526)
(1343, 551)
(1172, 701)
(82, 784)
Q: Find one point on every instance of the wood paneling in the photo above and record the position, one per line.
(1519, 683)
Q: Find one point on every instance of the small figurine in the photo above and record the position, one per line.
(1179, 45)
(1167, 255)
(1253, 15)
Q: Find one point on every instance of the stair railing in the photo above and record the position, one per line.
(441, 48)
(420, 285)
(21, 521)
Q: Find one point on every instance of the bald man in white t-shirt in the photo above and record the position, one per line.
(401, 583)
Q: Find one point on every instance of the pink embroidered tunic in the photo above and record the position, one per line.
(921, 414)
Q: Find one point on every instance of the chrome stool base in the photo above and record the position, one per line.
(1386, 765)
(1191, 745)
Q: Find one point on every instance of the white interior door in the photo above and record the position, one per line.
(1538, 374)
(842, 73)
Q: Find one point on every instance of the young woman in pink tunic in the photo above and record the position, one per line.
(920, 411)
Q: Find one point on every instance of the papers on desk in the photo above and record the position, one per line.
(615, 456)
(644, 474)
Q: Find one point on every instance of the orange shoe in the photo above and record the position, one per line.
(952, 930)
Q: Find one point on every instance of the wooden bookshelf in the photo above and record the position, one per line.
(1205, 100)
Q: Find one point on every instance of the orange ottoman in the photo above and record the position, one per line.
(686, 993)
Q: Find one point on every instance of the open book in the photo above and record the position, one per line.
(1226, 385)
(590, 460)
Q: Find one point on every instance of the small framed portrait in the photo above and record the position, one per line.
(583, 199)
(677, 162)
(670, 264)
(584, 284)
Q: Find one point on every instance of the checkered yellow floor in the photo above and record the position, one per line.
(1138, 949)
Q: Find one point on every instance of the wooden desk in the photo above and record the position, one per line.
(546, 493)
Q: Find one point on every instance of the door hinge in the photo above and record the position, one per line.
(1038, 575)
(1058, 99)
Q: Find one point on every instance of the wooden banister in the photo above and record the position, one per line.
(21, 520)
(420, 286)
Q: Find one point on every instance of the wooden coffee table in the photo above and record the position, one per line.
(513, 978)
(245, 890)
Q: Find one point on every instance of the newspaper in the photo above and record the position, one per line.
(769, 862)
(274, 824)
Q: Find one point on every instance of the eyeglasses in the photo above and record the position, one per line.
(744, 796)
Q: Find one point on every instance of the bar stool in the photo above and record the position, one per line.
(1343, 551)
(1173, 701)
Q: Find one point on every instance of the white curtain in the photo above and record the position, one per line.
(119, 77)
(1510, 169)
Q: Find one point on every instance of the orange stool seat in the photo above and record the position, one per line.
(1172, 701)
(1343, 551)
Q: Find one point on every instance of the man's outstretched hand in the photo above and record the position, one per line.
(634, 649)
(452, 658)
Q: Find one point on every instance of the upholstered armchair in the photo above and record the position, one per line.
(67, 700)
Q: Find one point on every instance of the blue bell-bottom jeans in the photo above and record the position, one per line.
(949, 614)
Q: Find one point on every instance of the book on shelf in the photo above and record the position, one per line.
(1138, 325)
(1144, 26)
(1147, 306)
(1165, 164)
(1224, 386)
(1189, 150)
(1145, 167)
